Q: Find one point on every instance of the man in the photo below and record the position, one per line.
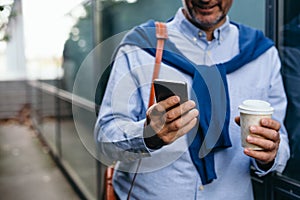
(162, 143)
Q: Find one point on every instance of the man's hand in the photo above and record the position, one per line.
(167, 121)
(269, 141)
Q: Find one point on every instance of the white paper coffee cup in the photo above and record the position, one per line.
(251, 112)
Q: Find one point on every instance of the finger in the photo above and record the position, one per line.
(270, 123)
(185, 129)
(156, 110)
(168, 103)
(155, 118)
(179, 110)
(263, 156)
(182, 121)
(265, 132)
(267, 145)
(159, 108)
(155, 114)
(174, 135)
(157, 124)
(237, 120)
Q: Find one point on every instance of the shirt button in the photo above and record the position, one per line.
(200, 34)
(195, 39)
(201, 187)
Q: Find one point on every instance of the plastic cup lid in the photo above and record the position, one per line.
(256, 107)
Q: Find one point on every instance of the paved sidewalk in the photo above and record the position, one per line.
(27, 172)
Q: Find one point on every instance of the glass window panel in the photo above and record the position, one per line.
(289, 47)
(78, 43)
(48, 120)
(250, 12)
(76, 153)
(119, 16)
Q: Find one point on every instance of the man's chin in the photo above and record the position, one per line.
(207, 21)
(205, 24)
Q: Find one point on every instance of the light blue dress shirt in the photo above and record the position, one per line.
(168, 173)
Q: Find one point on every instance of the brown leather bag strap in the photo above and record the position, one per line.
(109, 189)
(161, 35)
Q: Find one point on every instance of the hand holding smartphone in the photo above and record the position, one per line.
(163, 129)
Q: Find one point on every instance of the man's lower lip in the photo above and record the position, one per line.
(205, 8)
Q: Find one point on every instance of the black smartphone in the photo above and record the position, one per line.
(167, 88)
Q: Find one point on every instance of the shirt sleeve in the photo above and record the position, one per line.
(120, 124)
(277, 98)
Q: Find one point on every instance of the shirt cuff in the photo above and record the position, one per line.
(261, 172)
(134, 141)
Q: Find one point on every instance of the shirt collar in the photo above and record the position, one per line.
(191, 31)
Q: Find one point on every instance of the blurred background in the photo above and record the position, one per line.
(46, 124)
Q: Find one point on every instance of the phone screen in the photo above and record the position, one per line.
(167, 88)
